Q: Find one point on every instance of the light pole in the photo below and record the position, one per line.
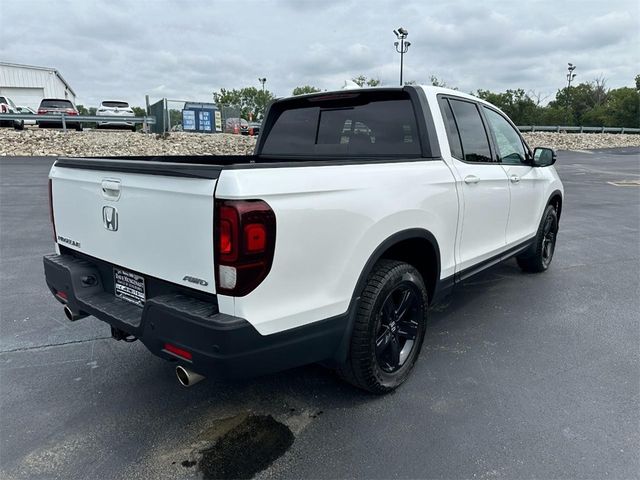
(570, 77)
(262, 81)
(401, 47)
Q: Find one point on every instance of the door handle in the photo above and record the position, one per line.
(514, 179)
(111, 189)
(471, 179)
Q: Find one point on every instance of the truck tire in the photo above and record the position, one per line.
(538, 257)
(389, 328)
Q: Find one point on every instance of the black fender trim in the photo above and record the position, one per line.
(554, 194)
(439, 290)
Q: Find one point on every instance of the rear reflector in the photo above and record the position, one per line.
(179, 352)
(62, 295)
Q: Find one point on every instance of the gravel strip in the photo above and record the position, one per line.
(581, 141)
(92, 143)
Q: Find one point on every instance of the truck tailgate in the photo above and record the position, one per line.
(146, 221)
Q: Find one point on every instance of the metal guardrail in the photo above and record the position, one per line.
(560, 128)
(64, 118)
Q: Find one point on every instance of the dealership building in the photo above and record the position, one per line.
(26, 85)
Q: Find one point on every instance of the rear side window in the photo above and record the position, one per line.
(362, 124)
(475, 142)
(452, 129)
(53, 103)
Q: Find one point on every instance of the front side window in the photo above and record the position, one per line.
(475, 143)
(508, 141)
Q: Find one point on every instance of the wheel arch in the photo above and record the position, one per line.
(407, 246)
(555, 199)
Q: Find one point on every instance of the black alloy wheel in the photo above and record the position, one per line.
(389, 328)
(549, 232)
(398, 322)
(538, 257)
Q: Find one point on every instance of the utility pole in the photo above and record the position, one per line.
(401, 47)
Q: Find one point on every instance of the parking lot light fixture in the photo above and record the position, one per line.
(401, 46)
(262, 81)
(570, 76)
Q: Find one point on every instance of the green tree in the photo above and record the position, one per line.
(362, 81)
(139, 111)
(82, 110)
(517, 104)
(175, 117)
(251, 101)
(623, 108)
(576, 101)
(436, 82)
(638, 82)
(304, 90)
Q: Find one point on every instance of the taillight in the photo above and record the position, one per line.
(53, 223)
(71, 111)
(42, 111)
(245, 240)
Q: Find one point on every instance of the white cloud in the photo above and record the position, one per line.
(187, 49)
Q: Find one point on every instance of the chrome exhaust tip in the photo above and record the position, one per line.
(71, 316)
(186, 377)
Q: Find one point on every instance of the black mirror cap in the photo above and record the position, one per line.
(544, 157)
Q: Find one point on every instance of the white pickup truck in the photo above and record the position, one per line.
(358, 210)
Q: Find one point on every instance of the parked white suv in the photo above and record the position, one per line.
(116, 108)
(357, 212)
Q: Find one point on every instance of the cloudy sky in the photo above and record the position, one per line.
(185, 49)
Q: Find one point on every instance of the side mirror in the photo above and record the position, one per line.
(544, 157)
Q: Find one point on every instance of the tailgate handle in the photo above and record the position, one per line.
(111, 189)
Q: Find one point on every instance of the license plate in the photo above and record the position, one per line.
(129, 287)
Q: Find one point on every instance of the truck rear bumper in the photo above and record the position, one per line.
(218, 345)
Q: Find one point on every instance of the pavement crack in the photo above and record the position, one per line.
(61, 344)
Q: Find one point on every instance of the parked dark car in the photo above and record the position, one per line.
(7, 106)
(58, 105)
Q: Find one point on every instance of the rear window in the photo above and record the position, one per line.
(115, 104)
(350, 124)
(53, 103)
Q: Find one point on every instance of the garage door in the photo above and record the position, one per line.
(24, 97)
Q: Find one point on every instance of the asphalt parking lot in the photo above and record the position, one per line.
(521, 376)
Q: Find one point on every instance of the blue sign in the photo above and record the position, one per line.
(204, 121)
(188, 120)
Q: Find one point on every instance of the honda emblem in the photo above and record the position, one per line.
(110, 218)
